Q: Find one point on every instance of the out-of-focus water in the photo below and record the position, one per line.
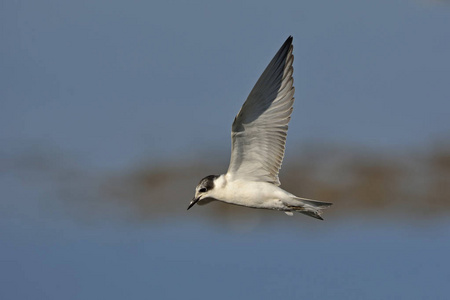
(54, 248)
(357, 259)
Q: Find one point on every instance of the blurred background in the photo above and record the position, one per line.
(112, 111)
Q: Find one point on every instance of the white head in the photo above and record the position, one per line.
(203, 189)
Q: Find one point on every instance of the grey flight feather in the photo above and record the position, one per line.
(260, 128)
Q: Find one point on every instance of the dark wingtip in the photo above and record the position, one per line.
(288, 41)
(286, 46)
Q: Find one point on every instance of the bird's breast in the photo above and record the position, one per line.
(249, 193)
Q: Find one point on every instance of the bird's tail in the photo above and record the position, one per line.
(312, 208)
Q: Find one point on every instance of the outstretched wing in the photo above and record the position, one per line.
(259, 130)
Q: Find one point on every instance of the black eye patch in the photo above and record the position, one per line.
(202, 190)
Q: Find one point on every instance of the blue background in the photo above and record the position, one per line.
(94, 88)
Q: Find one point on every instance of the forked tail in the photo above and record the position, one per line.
(312, 208)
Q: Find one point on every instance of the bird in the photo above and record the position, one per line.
(258, 136)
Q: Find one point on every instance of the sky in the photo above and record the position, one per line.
(113, 83)
(106, 86)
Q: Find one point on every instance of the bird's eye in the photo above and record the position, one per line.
(202, 190)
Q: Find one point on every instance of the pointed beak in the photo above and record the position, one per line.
(194, 200)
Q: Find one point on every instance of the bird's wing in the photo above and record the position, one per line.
(259, 130)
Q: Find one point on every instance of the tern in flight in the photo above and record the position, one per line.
(258, 136)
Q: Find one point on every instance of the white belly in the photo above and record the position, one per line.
(252, 194)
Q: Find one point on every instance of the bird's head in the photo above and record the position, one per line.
(203, 190)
